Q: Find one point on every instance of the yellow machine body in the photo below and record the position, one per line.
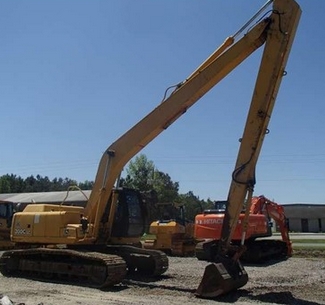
(48, 224)
(171, 237)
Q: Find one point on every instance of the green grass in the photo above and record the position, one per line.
(148, 236)
(303, 243)
(309, 244)
(308, 241)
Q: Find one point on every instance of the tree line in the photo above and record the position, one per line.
(141, 174)
(11, 183)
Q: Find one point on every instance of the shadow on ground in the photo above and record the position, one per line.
(281, 298)
(285, 298)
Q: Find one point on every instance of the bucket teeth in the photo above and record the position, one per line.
(221, 278)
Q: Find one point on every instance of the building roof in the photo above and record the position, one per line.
(302, 204)
(304, 210)
(47, 197)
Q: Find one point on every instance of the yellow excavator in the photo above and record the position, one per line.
(172, 233)
(97, 243)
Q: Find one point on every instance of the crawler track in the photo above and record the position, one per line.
(6, 245)
(264, 250)
(62, 265)
(258, 251)
(142, 261)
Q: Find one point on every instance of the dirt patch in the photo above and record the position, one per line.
(295, 281)
(309, 253)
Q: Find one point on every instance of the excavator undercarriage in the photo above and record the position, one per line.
(74, 267)
(256, 251)
(97, 267)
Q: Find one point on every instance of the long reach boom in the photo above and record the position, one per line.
(98, 236)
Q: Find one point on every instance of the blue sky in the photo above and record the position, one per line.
(76, 75)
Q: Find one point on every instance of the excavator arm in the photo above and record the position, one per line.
(215, 68)
(263, 205)
(227, 273)
(285, 17)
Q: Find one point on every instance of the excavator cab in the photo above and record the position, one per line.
(130, 213)
(6, 214)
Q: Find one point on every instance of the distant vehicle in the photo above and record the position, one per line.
(172, 232)
(208, 227)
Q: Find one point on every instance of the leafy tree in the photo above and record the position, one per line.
(57, 184)
(43, 184)
(166, 189)
(193, 205)
(30, 184)
(5, 186)
(142, 175)
(13, 184)
(209, 204)
(86, 185)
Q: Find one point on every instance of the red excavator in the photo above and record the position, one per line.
(208, 227)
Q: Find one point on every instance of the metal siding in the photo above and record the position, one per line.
(313, 225)
(323, 225)
(295, 224)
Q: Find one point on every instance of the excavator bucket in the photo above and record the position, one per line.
(221, 278)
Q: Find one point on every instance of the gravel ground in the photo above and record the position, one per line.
(296, 281)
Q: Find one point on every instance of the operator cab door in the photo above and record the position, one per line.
(130, 214)
(6, 212)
